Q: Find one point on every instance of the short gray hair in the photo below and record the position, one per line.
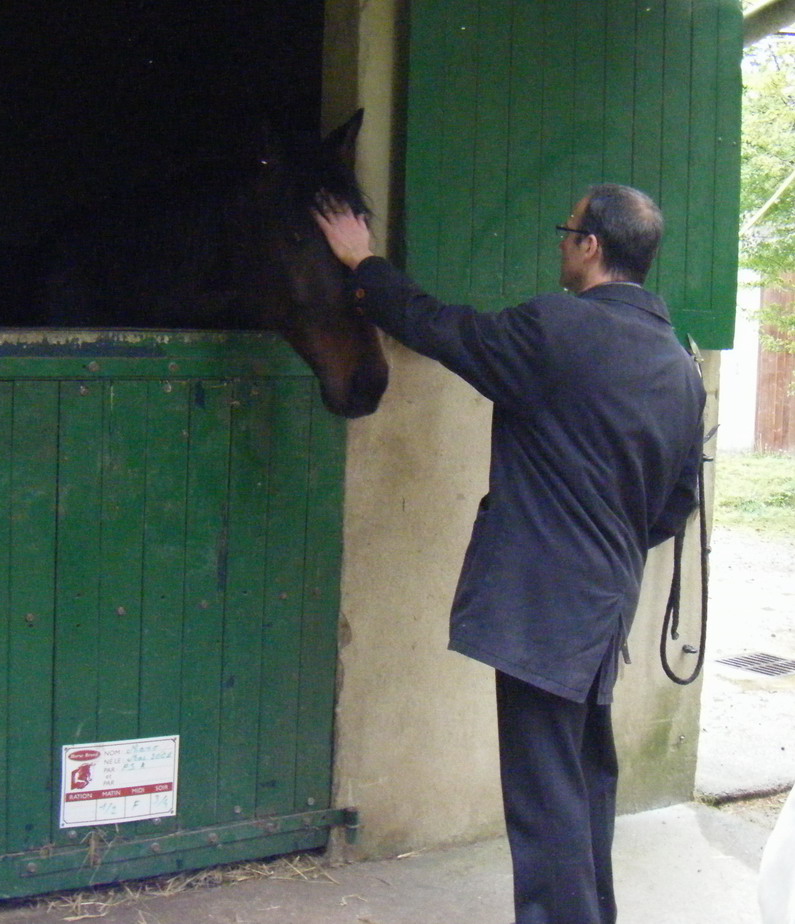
(629, 226)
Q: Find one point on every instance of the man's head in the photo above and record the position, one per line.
(618, 233)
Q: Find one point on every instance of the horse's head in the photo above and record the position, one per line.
(315, 311)
(226, 242)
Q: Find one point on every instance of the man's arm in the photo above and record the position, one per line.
(493, 351)
(683, 499)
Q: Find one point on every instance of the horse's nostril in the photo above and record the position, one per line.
(368, 386)
(365, 389)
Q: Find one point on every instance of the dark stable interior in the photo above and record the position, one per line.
(104, 96)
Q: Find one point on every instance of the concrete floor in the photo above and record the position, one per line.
(747, 719)
(689, 864)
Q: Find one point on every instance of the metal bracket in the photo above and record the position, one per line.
(347, 818)
(352, 825)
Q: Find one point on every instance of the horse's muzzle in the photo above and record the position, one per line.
(366, 387)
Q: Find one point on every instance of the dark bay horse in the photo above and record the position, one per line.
(219, 246)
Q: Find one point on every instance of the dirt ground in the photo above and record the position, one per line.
(763, 811)
(746, 742)
(752, 592)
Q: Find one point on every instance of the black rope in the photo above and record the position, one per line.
(671, 619)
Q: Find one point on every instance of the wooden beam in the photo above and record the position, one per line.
(766, 19)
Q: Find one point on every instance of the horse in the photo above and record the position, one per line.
(219, 245)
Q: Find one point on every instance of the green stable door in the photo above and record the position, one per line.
(170, 511)
(516, 107)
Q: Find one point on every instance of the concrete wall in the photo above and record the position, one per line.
(416, 744)
(657, 721)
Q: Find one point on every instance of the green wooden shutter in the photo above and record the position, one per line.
(517, 106)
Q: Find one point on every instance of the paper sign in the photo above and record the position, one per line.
(116, 781)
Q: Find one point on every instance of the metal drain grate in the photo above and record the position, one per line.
(759, 663)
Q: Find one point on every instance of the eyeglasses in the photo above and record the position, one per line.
(563, 230)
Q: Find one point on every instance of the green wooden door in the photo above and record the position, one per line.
(516, 106)
(170, 539)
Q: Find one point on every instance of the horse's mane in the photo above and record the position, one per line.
(320, 175)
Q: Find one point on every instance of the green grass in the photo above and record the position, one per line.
(755, 491)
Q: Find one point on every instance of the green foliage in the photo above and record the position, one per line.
(755, 491)
(768, 178)
(768, 158)
(778, 325)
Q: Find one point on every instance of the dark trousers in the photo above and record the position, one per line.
(559, 774)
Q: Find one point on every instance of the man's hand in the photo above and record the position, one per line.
(347, 234)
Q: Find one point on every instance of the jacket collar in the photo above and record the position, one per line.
(629, 294)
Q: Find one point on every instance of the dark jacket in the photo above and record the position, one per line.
(595, 447)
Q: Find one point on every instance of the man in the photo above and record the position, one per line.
(596, 444)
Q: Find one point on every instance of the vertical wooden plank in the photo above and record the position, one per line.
(458, 130)
(701, 186)
(205, 581)
(674, 161)
(648, 115)
(163, 564)
(248, 490)
(620, 67)
(774, 427)
(76, 647)
(321, 608)
(726, 218)
(77, 563)
(781, 370)
(123, 492)
(491, 113)
(588, 75)
(284, 597)
(34, 452)
(648, 97)
(164, 554)
(764, 422)
(424, 155)
(558, 141)
(6, 417)
(525, 93)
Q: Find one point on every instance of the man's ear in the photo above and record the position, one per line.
(592, 246)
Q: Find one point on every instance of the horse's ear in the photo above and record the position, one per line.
(342, 141)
